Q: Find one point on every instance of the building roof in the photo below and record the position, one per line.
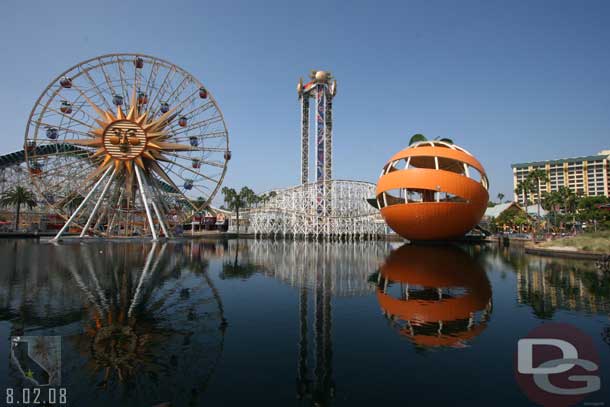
(495, 211)
(599, 156)
(533, 210)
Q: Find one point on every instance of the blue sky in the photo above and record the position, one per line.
(509, 81)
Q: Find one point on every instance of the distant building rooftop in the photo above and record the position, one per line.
(599, 156)
(495, 211)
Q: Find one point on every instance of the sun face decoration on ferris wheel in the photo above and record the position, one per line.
(126, 144)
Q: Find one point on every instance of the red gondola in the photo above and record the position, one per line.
(142, 98)
(66, 107)
(65, 82)
(35, 168)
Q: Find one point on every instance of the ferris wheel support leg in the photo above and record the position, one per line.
(81, 206)
(158, 214)
(145, 202)
(156, 207)
(97, 204)
(163, 227)
(111, 224)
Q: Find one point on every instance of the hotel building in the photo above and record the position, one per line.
(587, 176)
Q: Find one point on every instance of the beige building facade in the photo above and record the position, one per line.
(586, 176)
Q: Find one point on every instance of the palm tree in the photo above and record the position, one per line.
(264, 198)
(237, 269)
(239, 200)
(16, 197)
(563, 199)
(233, 201)
(250, 196)
(569, 200)
(524, 187)
(500, 197)
(550, 201)
(536, 177)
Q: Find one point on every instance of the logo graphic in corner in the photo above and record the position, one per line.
(557, 365)
(37, 359)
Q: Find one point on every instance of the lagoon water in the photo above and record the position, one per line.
(281, 323)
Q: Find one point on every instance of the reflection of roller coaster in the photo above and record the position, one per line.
(344, 267)
(294, 212)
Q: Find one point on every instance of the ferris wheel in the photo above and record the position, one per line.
(126, 144)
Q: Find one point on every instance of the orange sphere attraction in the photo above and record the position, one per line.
(432, 190)
(435, 295)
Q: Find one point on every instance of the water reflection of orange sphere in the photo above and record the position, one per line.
(432, 190)
(437, 296)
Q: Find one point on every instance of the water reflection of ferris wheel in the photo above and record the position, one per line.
(151, 318)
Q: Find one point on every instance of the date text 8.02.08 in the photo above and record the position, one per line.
(35, 396)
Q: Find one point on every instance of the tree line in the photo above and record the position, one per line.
(564, 206)
(245, 198)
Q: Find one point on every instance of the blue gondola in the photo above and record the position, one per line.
(52, 133)
(117, 100)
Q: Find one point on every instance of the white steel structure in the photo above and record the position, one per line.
(326, 208)
(293, 212)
